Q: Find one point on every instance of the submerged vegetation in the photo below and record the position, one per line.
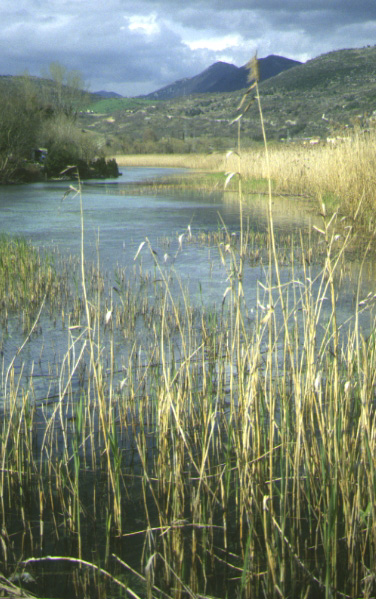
(198, 451)
(24, 276)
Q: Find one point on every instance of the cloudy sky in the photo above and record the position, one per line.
(135, 47)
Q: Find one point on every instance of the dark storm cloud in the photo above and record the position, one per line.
(138, 47)
(310, 15)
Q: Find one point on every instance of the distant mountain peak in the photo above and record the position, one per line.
(222, 77)
(221, 64)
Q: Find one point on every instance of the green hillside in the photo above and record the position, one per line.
(331, 72)
(329, 95)
(326, 96)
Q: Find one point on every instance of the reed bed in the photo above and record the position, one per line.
(197, 452)
(234, 452)
(341, 173)
(209, 162)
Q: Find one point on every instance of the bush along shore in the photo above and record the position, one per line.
(61, 167)
(39, 133)
(100, 168)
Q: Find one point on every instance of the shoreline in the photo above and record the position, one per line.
(203, 162)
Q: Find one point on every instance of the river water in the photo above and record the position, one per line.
(118, 219)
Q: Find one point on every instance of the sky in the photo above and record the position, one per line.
(135, 47)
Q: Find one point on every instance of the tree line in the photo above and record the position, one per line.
(41, 112)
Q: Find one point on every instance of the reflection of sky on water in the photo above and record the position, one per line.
(122, 220)
(117, 221)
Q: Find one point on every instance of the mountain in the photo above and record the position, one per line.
(222, 77)
(105, 94)
(330, 95)
(273, 65)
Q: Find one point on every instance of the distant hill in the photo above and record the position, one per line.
(105, 94)
(46, 90)
(339, 71)
(331, 95)
(222, 77)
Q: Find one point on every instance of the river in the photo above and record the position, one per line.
(120, 220)
(118, 217)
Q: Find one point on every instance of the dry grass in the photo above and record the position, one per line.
(209, 162)
(250, 437)
(343, 172)
(247, 444)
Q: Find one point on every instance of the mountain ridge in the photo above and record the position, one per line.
(105, 94)
(331, 95)
(221, 77)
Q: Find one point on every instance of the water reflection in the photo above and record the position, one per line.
(120, 220)
(117, 221)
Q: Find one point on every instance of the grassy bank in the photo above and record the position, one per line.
(341, 173)
(210, 162)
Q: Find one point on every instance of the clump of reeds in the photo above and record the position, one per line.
(24, 275)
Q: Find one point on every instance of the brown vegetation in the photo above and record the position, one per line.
(338, 173)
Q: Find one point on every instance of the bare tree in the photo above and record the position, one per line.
(64, 89)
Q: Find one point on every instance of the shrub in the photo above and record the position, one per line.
(62, 157)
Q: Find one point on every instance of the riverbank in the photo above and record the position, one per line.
(339, 174)
(204, 162)
(34, 172)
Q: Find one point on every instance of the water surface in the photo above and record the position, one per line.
(118, 219)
